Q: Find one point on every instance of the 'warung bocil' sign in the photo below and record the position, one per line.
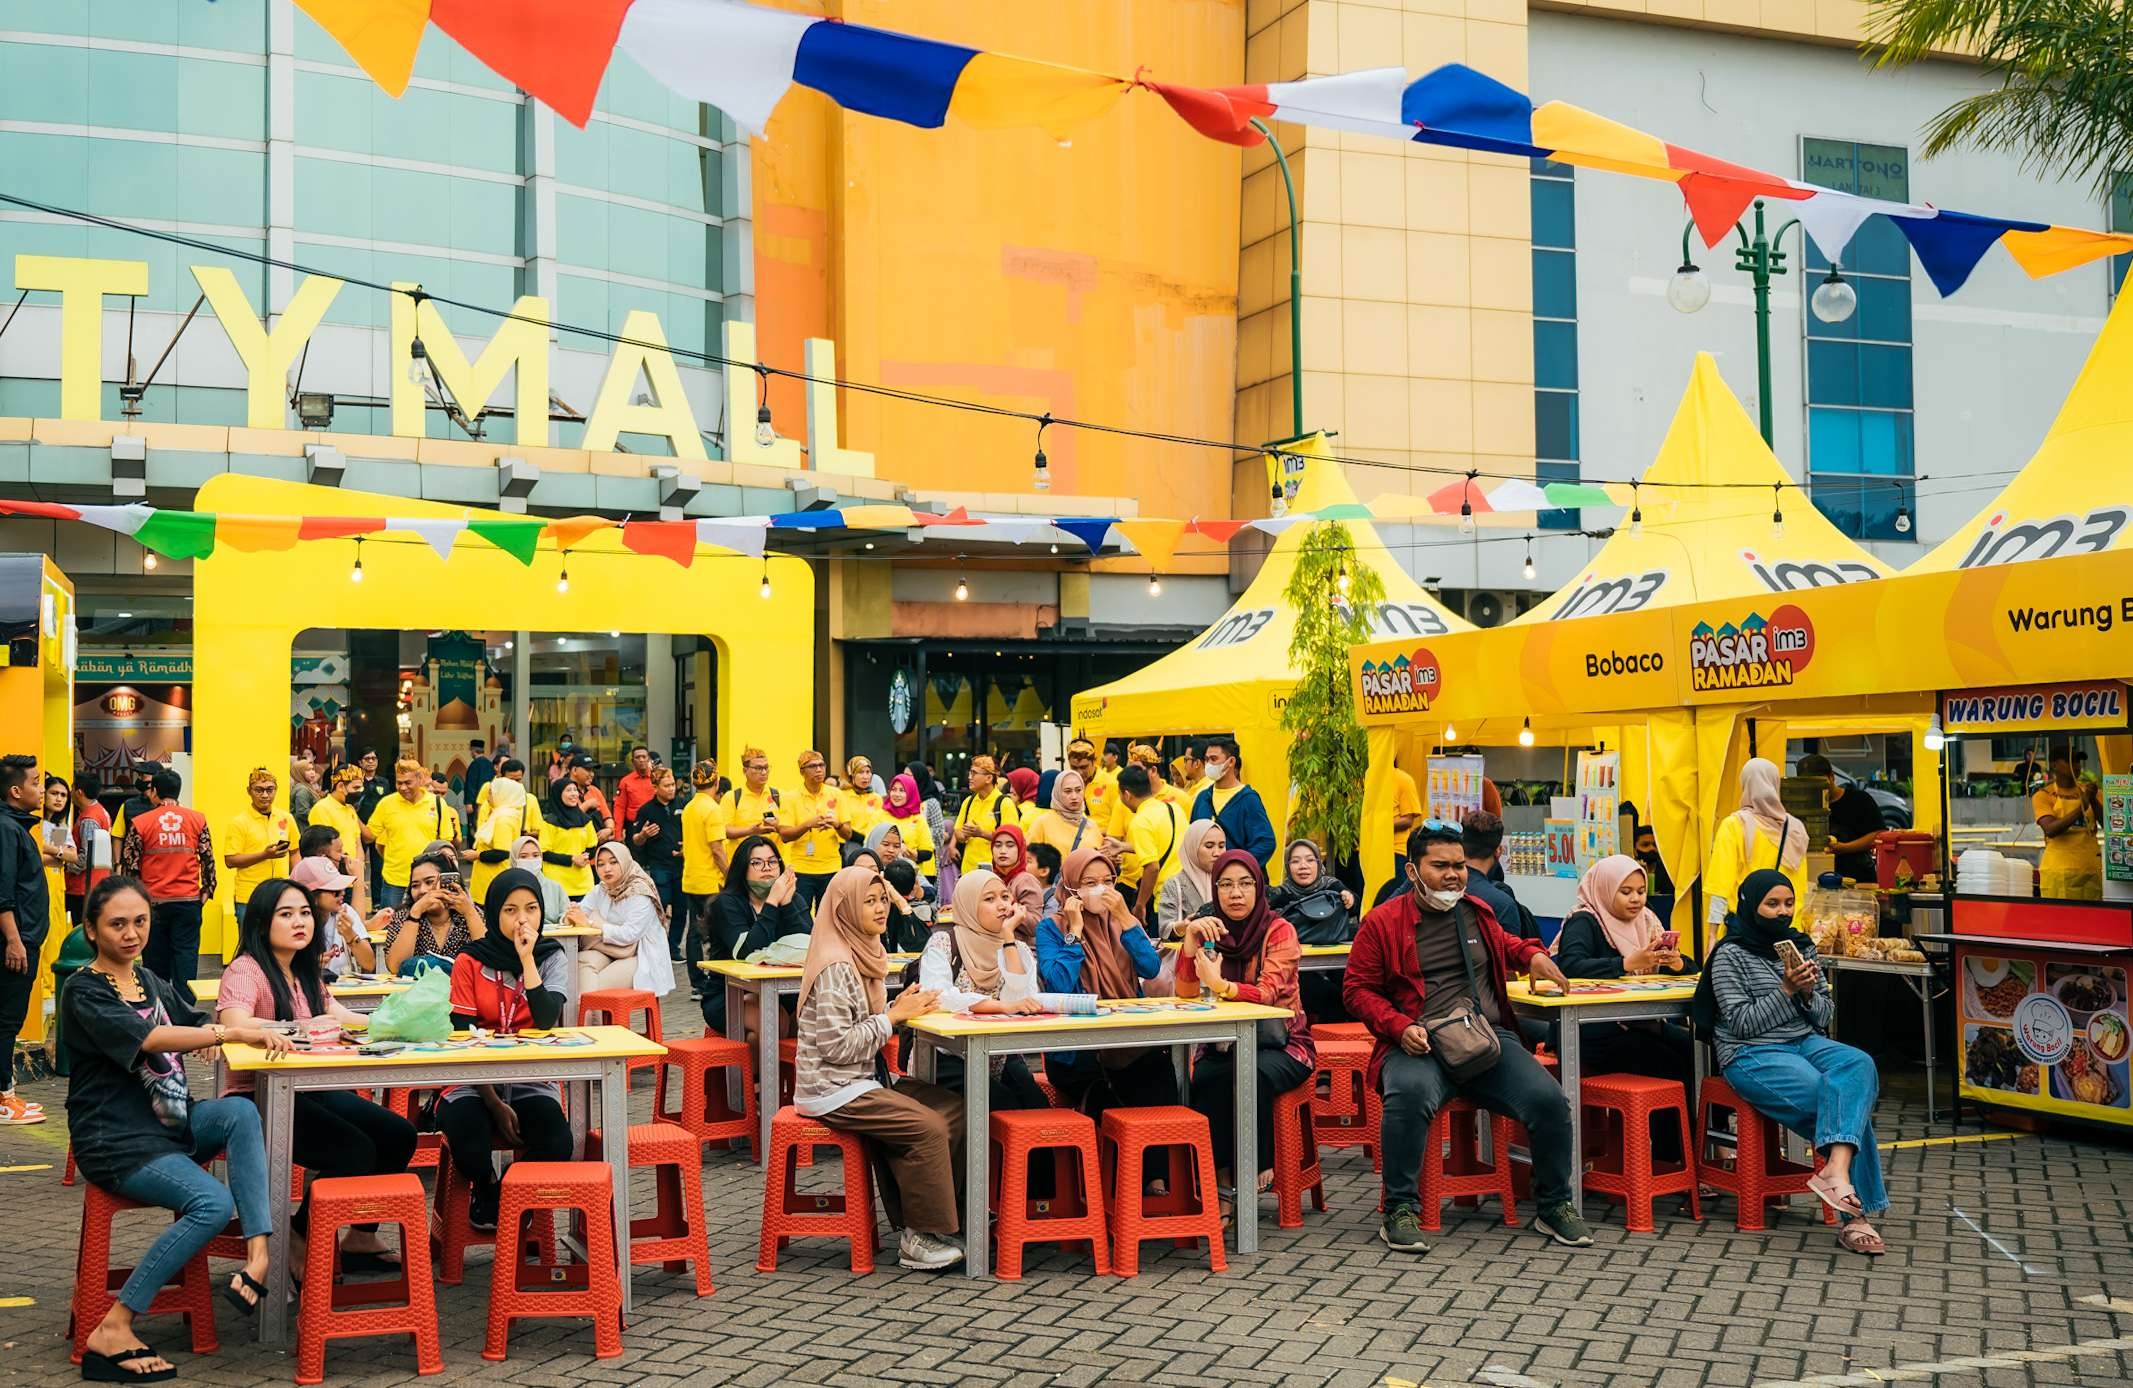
(518, 348)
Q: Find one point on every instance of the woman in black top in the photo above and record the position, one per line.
(137, 1131)
(654, 837)
(757, 905)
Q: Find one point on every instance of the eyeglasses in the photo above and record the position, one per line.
(1435, 825)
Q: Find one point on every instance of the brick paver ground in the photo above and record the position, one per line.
(2004, 1255)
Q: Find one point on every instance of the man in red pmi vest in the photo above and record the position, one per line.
(168, 849)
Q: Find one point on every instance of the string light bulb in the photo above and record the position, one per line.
(417, 359)
(1903, 517)
(1529, 570)
(1155, 586)
(1043, 479)
(1777, 510)
(1636, 509)
(149, 560)
(1344, 583)
(562, 581)
(1451, 733)
(962, 584)
(765, 433)
(1466, 505)
(1934, 738)
(355, 575)
(1525, 733)
(763, 588)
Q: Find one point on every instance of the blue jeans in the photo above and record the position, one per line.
(1821, 1087)
(391, 897)
(230, 1126)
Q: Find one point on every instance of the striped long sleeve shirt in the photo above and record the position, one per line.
(1753, 1007)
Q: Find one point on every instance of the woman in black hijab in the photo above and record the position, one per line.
(1766, 1003)
(509, 980)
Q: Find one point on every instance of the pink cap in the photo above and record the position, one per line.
(316, 874)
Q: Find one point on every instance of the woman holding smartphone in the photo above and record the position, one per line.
(1613, 933)
(1767, 1004)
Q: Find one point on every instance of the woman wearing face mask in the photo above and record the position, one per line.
(137, 1131)
(1244, 952)
(1010, 863)
(1759, 835)
(507, 981)
(845, 1019)
(277, 977)
(1094, 945)
(568, 837)
(1066, 826)
(758, 904)
(632, 949)
(1771, 1018)
(1184, 896)
(526, 856)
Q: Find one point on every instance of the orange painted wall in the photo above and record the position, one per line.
(1097, 280)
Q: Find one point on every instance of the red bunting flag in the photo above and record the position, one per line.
(675, 540)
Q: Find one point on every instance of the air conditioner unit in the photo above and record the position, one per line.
(1489, 608)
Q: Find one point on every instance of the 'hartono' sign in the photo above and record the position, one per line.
(1760, 652)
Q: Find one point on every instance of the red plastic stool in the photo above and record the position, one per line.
(1296, 1165)
(793, 1214)
(66, 1178)
(334, 1310)
(230, 1242)
(676, 1235)
(1051, 1095)
(1625, 1168)
(427, 1145)
(1351, 1111)
(97, 1283)
(1127, 1135)
(1322, 1032)
(701, 1105)
(619, 1007)
(1759, 1172)
(455, 1232)
(1018, 1136)
(591, 1288)
(1452, 1164)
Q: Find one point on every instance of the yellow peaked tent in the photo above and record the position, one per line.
(1711, 542)
(1235, 676)
(2073, 496)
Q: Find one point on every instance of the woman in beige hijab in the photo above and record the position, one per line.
(845, 1020)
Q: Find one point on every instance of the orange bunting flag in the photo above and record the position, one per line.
(675, 540)
(258, 534)
(571, 529)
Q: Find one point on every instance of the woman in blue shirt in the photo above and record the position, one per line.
(1092, 944)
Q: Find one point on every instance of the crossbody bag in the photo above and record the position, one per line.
(1463, 1041)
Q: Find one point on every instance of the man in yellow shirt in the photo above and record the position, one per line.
(752, 808)
(988, 808)
(336, 810)
(703, 833)
(401, 826)
(1156, 827)
(813, 821)
(1406, 809)
(1101, 783)
(257, 845)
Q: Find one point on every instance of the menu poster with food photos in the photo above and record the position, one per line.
(2118, 828)
(2045, 1032)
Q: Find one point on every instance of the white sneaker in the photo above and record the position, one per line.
(927, 1252)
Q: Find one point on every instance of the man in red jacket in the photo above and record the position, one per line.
(1419, 960)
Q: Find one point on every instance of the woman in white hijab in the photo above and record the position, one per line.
(632, 949)
(1758, 835)
(499, 830)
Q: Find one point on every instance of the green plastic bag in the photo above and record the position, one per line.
(422, 1013)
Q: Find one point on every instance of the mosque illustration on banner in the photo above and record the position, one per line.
(454, 697)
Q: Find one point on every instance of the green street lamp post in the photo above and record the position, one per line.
(1833, 300)
(1296, 335)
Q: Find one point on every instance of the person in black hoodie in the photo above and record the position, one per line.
(756, 906)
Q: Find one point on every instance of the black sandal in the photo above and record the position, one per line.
(237, 1299)
(111, 1368)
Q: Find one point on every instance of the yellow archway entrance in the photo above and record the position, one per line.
(249, 607)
